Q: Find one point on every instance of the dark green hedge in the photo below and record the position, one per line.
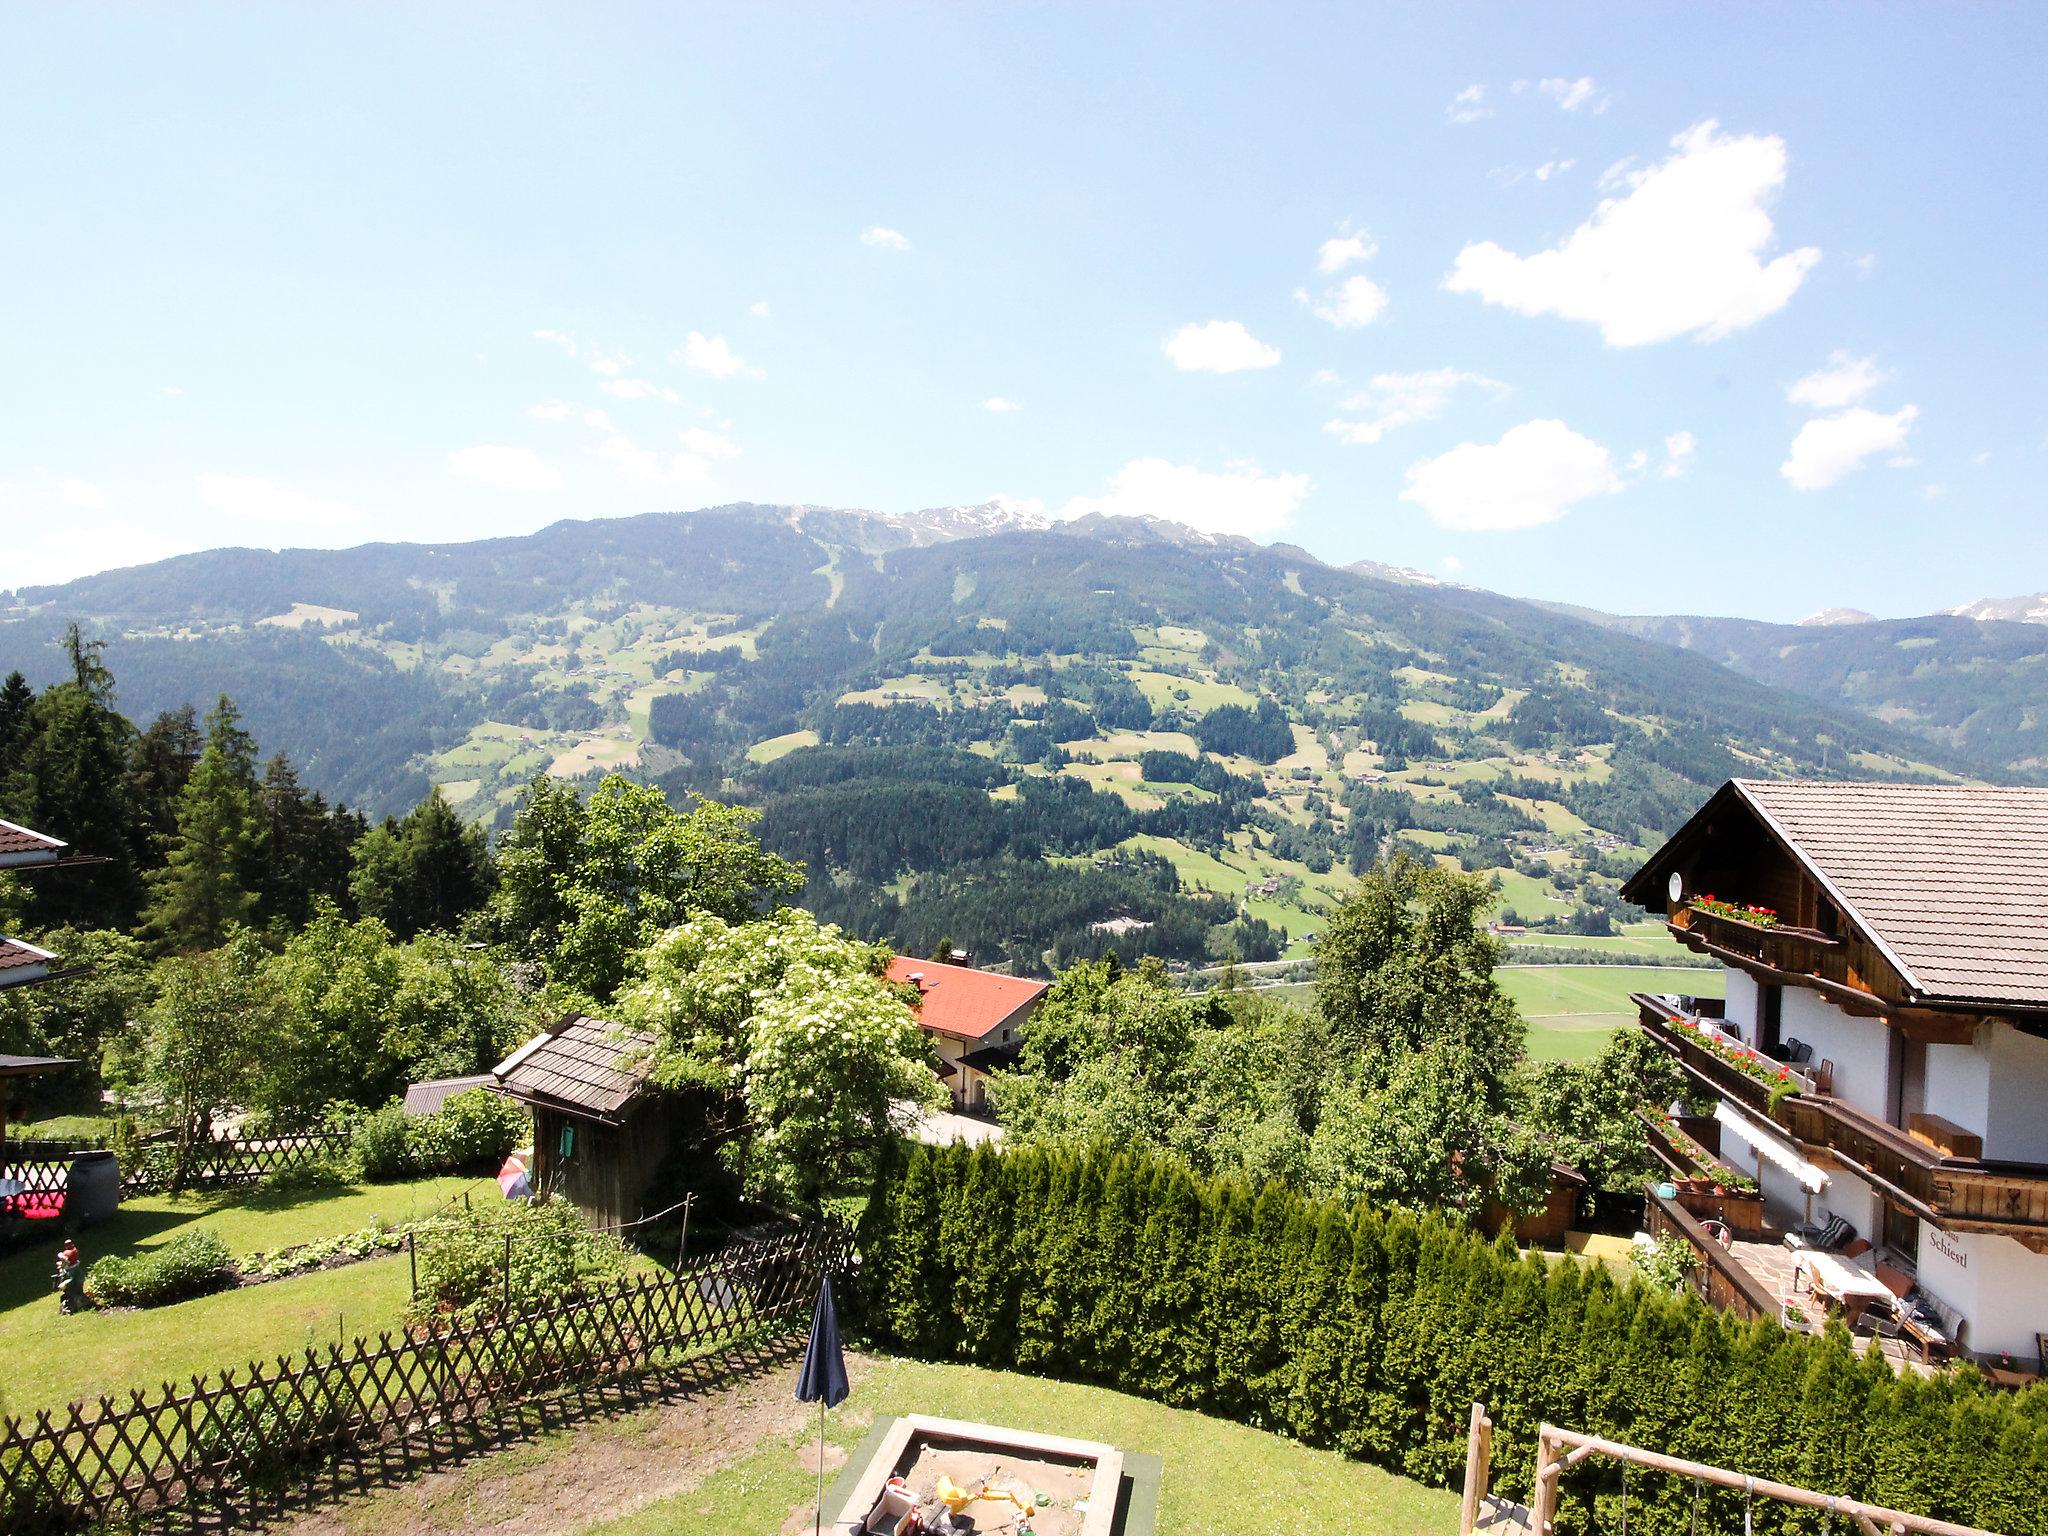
(1373, 1333)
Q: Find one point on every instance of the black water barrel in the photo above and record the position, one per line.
(94, 1193)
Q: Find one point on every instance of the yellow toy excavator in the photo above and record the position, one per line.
(956, 1498)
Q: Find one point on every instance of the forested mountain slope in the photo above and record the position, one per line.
(1036, 742)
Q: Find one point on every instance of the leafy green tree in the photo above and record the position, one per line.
(1586, 1109)
(793, 1029)
(583, 886)
(427, 871)
(1405, 963)
(210, 1026)
(86, 1018)
(204, 891)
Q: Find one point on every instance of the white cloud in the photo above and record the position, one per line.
(758, 309)
(1400, 399)
(612, 366)
(641, 389)
(1981, 458)
(883, 238)
(83, 493)
(565, 342)
(1864, 264)
(1638, 461)
(1326, 376)
(1000, 404)
(1452, 565)
(1679, 449)
(707, 444)
(1679, 255)
(257, 500)
(519, 470)
(710, 354)
(1550, 168)
(1340, 251)
(1533, 475)
(1572, 95)
(174, 392)
(1219, 346)
(551, 410)
(1829, 447)
(1844, 381)
(1239, 500)
(1469, 105)
(1933, 492)
(1356, 301)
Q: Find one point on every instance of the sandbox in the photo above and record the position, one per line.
(1016, 1480)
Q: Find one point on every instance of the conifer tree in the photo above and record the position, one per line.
(427, 871)
(159, 765)
(203, 891)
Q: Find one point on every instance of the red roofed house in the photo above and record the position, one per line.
(972, 1016)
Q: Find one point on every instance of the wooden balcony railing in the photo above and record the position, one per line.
(1704, 1064)
(1722, 1279)
(1960, 1193)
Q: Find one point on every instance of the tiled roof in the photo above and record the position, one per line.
(583, 1065)
(1951, 879)
(21, 962)
(21, 845)
(961, 1001)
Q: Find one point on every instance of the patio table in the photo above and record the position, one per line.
(1854, 1285)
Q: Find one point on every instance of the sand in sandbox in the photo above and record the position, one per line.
(1064, 1482)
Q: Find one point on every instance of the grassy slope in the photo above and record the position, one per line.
(1572, 1009)
(1214, 1473)
(47, 1360)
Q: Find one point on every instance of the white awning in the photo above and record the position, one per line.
(1777, 1150)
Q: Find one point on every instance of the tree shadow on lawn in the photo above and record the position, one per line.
(365, 1469)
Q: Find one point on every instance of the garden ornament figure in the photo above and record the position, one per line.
(70, 1278)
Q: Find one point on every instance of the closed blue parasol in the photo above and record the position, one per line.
(823, 1377)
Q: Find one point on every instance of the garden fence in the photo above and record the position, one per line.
(256, 1430)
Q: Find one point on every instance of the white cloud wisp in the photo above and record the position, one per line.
(1831, 447)
(1680, 254)
(1218, 346)
(1240, 500)
(1396, 400)
(1534, 475)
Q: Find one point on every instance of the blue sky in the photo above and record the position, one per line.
(1657, 308)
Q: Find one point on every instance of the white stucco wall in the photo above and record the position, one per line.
(1859, 1048)
(1741, 992)
(1999, 1286)
(1959, 1084)
(1785, 1199)
(2016, 1120)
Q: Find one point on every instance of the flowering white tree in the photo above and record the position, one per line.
(793, 1024)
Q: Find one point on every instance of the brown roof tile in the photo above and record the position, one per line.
(1951, 879)
(584, 1065)
(15, 955)
(22, 845)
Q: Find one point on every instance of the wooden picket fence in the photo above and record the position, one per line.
(252, 1431)
(230, 1160)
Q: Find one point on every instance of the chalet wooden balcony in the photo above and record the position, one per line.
(1701, 1061)
(1961, 1194)
(1782, 947)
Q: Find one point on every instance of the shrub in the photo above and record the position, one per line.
(189, 1264)
(382, 1144)
(335, 1170)
(1374, 1332)
(470, 1130)
(463, 1258)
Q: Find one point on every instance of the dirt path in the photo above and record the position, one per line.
(566, 1480)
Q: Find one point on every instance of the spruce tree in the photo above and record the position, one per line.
(160, 764)
(203, 892)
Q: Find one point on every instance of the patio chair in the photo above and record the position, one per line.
(1797, 1053)
(2041, 1349)
(1823, 1238)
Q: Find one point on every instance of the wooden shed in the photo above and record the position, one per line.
(600, 1134)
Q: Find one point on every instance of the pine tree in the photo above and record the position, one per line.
(427, 871)
(203, 891)
(159, 766)
(71, 782)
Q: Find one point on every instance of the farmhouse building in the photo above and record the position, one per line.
(1881, 1058)
(600, 1134)
(23, 849)
(973, 1017)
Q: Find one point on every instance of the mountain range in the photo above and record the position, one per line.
(939, 712)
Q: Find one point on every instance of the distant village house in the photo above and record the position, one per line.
(973, 1017)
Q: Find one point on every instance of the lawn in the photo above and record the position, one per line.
(47, 1360)
(1572, 1009)
(1214, 1473)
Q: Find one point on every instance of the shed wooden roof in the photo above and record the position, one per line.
(584, 1066)
(1950, 879)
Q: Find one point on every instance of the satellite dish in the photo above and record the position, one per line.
(1676, 885)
